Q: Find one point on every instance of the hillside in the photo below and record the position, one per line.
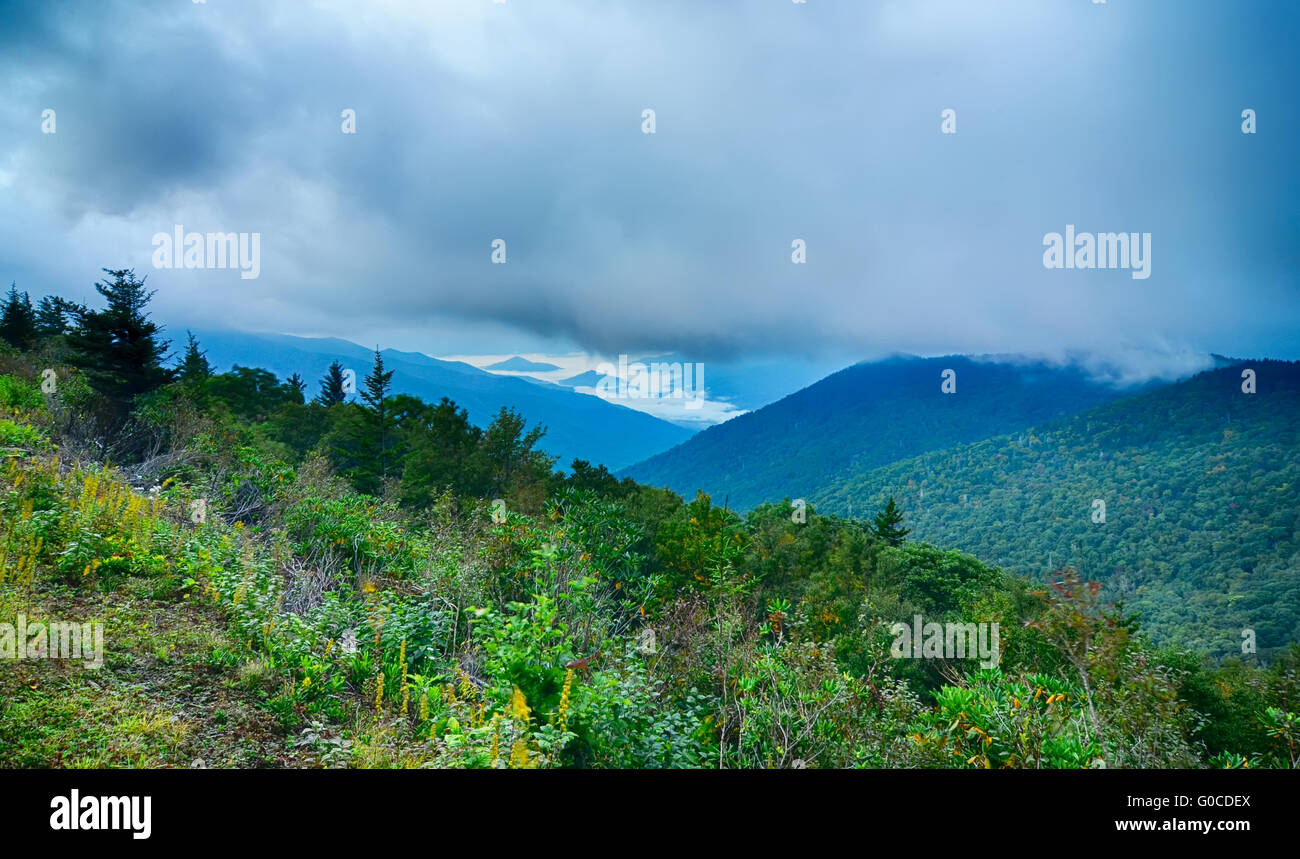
(862, 417)
(262, 581)
(626, 435)
(1201, 485)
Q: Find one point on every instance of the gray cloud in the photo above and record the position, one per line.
(775, 121)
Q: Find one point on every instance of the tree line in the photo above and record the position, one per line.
(383, 443)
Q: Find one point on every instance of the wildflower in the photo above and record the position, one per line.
(562, 714)
(518, 706)
(406, 689)
(496, 740)
(519, 758)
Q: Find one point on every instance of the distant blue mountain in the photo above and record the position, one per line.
(583, 380)
(519, 364)
(577, 425)
(866, 416)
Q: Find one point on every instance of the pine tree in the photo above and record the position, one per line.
(378, 384)
(379, 424)
(194, 366)
(119, 349)
(18, 319)
(331, 386)
(52, 316)
(299, 387)
(886, 525)
(364, 443)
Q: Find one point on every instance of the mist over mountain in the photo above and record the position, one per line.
(577, 425)
(662, 385)
(868, 415)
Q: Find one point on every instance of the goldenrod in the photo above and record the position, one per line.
(518, 708)
(562, 713)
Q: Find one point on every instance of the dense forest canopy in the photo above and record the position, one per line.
(866, 416)
(1184, 501)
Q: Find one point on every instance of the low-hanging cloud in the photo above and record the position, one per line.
(774, 122)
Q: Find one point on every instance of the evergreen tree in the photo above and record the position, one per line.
(364, 442)
(331, 386)
(377, 427)
(194, 366)
(378, 384)
(52, 316)
(887, 524)
(18, 319)
(119, 349)
(299, 386)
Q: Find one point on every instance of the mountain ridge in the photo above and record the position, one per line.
(626, 435)
(868, 414)
(1199, 485)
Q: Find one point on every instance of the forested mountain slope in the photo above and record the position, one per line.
(1201, 486)
(865, 416)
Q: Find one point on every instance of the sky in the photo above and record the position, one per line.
(773, 122)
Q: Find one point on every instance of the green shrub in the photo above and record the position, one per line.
(17, 394)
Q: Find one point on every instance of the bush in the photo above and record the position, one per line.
(18, 395)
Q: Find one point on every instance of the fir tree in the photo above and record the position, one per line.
(331, 386)
(377, 425)
(887, 524)
(52, 316)
(194, 366)
(119, 349)
(18, 319)
(299, 387)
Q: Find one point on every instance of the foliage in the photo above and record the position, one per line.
(1200, 485)
(888, 525)
(384, 584)
(119, 349)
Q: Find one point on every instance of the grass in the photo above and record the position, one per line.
(172, 692)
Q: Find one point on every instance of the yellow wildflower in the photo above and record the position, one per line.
(518, 706)
(562, 714)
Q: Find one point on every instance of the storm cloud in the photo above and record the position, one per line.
(774, 121)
